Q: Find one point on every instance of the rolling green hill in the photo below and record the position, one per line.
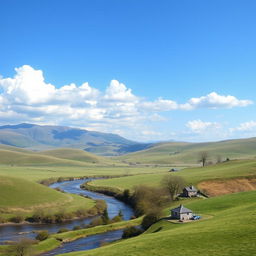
(223, 171)
(20, 158)
(227, 229)
(189, 153)
(18, 197)
(15, 149)
(20, 193)
(10, 155)
(76, 155)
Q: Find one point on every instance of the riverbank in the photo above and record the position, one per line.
(56, 240)
(79, 214)
(73, 187)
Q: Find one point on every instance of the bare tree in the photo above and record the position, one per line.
(21, 248)
(173, 184)
(203, 156)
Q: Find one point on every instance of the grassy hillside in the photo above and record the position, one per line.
(75, 154)
(228, 228)
(15, 149)
(227, 170)
(66, 157)
(18, 197)
(8, 157)
(179, 152)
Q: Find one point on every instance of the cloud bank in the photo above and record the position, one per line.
(26, 97)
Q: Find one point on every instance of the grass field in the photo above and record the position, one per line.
(23, 188)
(21, 197)
(38, 173)
(19, 183)
(229, 231)
(58, 157)
(77, 155)
(184, 153)
(227, 170)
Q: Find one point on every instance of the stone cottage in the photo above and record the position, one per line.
(181, 213)
(190, 191)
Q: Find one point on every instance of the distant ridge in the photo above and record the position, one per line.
(45, 137)
(189, 153)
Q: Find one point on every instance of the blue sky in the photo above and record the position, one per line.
(148, 70)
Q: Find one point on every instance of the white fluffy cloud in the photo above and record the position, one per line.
(118, 92)
(247, 126)
(198, 126)
(26, 97)
(160, 105)
(214, 100)
(27, 86)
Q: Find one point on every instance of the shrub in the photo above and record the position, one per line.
(150, 219)
(62, 230)
(131, 232)
(96, 222)
(146, 198)
(100, 205)
(105, 217)
(81, 212)
(49, 219)
(117, 219)
(76, 227)
(17, 219)
(37, 216)
(21, 248)
(42, 235)
(61, 179)
(126, 196)
(59, 217)
(92, 211)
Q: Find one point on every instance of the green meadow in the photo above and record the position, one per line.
(21, 197)
(189, 153)
(21, 170)
(59, 157)
(227, 229)
(227, 170)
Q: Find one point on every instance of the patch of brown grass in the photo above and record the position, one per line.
(222, 187)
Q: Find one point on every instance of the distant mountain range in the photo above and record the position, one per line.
(42, 137)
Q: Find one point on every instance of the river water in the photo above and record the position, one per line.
(15, 232)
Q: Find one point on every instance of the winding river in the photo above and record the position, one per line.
(15, 232)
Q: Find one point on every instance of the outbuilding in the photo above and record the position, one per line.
(173, 170)
(181, 213)
(190, 191)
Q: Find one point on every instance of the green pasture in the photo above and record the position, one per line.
(20, 197)
(77, 155)
(227, 170)
(38, 173)
(228, 230)
(189, 153)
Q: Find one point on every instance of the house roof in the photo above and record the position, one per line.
(181, 209)
(191, 189)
